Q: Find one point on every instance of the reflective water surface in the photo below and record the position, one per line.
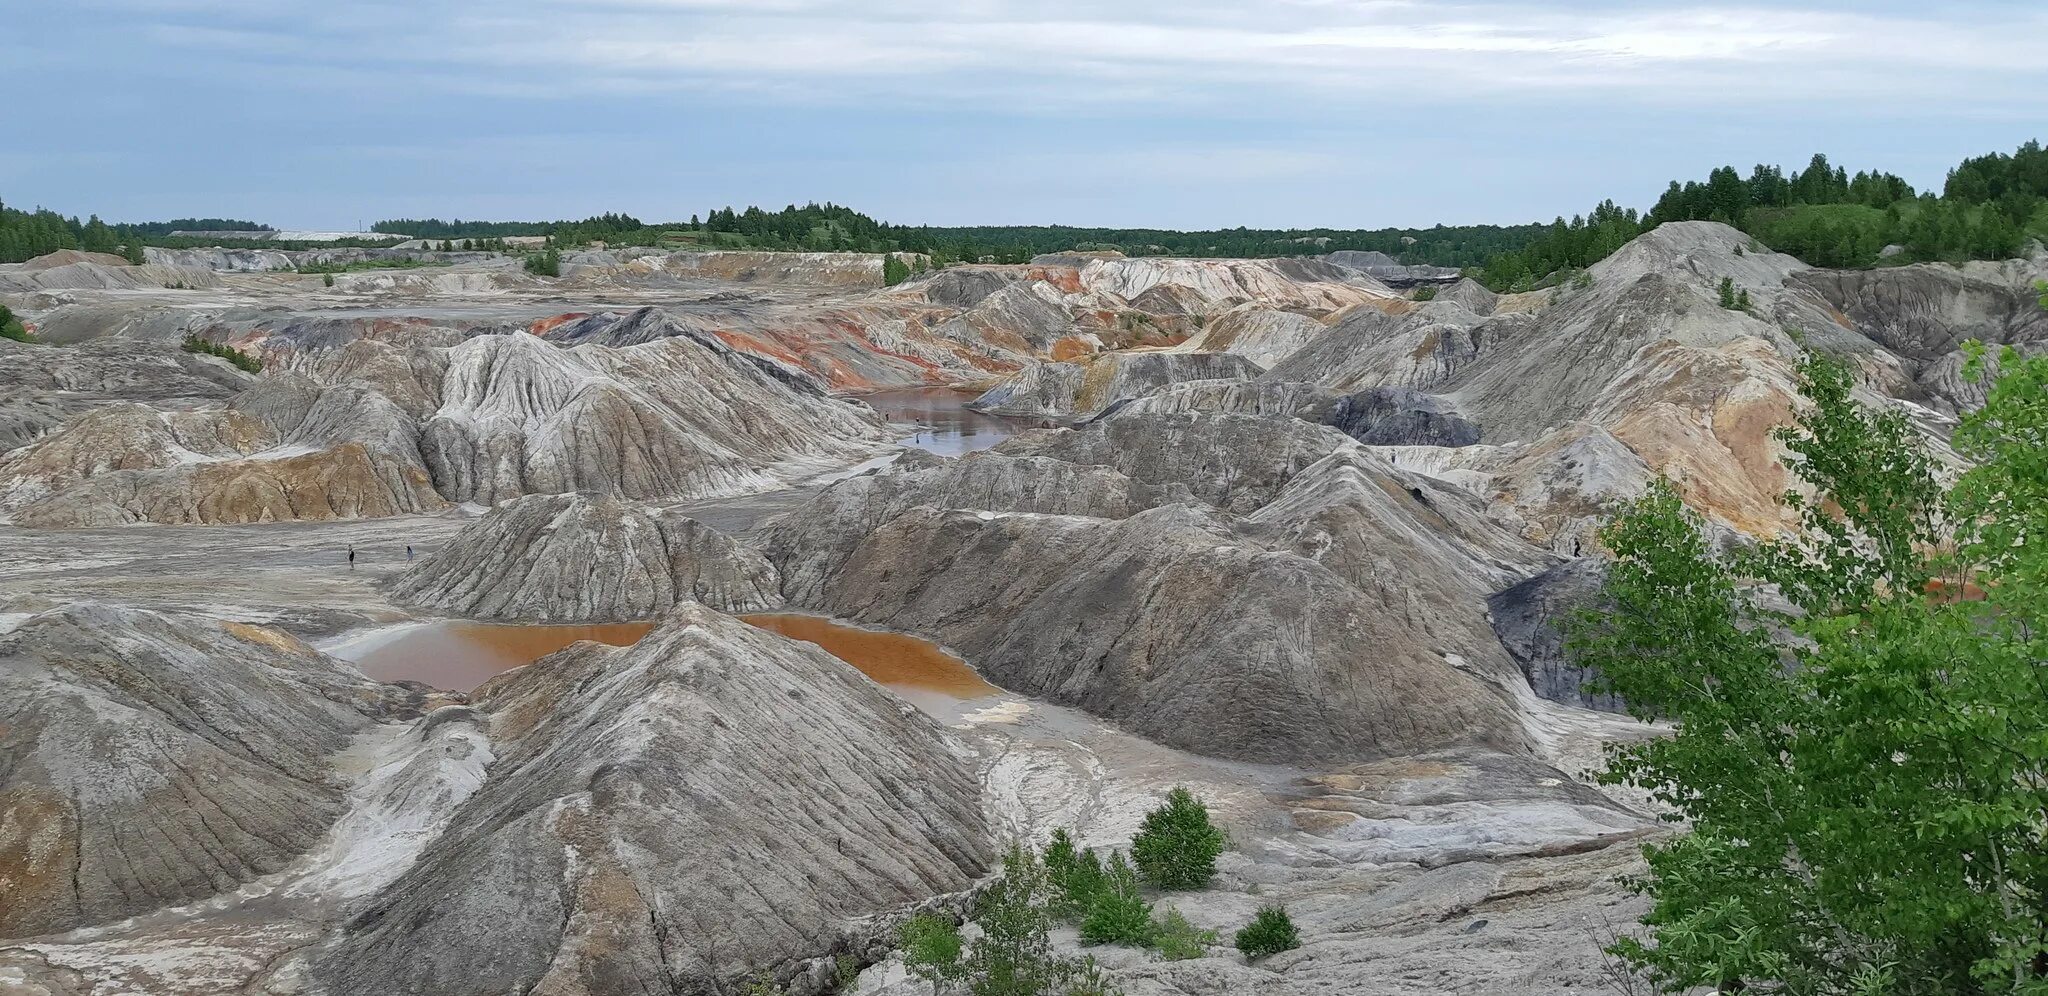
(949, 429)
(461, 655)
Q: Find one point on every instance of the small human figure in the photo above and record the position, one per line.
(408, 551)
(351, 557)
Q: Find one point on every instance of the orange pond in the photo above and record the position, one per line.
(463, 655)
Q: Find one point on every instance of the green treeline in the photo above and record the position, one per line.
(24, 235)
(1988, 208)
(833, 228)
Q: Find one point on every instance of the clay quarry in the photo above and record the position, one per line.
(686, 621)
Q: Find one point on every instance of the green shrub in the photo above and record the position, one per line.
(1176, 847)
(12, 328)
(894, 270)
(1270, 932)
(194, 343)
(1728, 293)
(931, 949)
(1118, 915)
(1178, 940)
(1076, 876)
(1426, 292)
(327, 279)
(545, 264)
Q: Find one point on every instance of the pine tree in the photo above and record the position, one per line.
(1177, 845)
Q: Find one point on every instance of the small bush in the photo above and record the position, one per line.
(12, 328)
(1426, 292)
(1178, 940)
(1176, 847)
(1270, 932)
(1728, 293)
(195, 344)
(327, 279)
(1118, 915)
(894, 270)
(545, 264)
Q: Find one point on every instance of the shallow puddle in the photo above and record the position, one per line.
(948, 428)
(461, 655)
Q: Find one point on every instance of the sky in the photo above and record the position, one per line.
(1139, 113)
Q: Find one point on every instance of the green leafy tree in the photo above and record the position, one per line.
(931, 949)
(1076, 874)
(1865, 799)
(1014, 955)
(132, 251)
(546, 263)
(894, 270)
(1728, 293)
(1270, 932)
(1177, 845)
(1118, 915)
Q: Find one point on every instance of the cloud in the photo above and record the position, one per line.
(1140, 52)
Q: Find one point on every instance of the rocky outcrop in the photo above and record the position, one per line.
(1237, 463)
(1225, 397)
(812, 544)
(1530, 616)
(48, 385)
(151, 759)
(372, 429)
(1165, 625)
(1262, 335)
(1068, 390)
(1398, 416)
(1391, 271)
(585, 558)
(296, 451)
(1291, 282)
(1421, 350)
(709, 806)
(678, 417)
(69, 269)
(1063, 572)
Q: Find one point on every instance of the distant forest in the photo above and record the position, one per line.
(830, 227)
(1987, 209)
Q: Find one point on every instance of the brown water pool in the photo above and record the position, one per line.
(462, 655)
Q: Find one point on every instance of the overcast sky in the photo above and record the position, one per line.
(1164, 113)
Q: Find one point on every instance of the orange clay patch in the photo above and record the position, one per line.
(1072, 347)
(543, 326)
